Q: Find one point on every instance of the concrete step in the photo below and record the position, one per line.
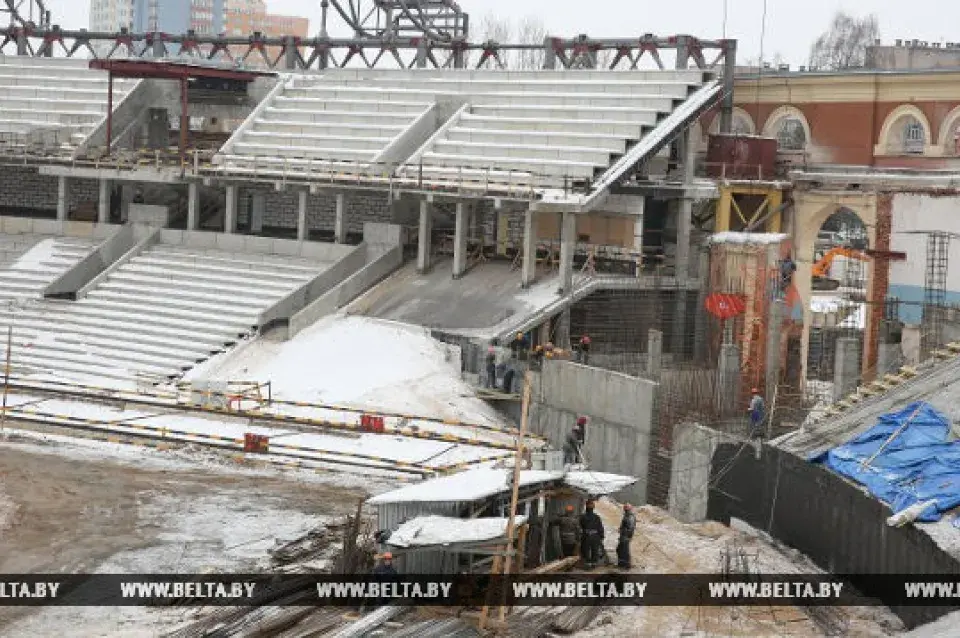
(343, 151)
(47, 364)
(51, 357)
(165, 301)
(177, 295)
(178, 267)
(252, 261)
(609, 143)
(178, 332)
(76, 334)
(538, 152)
(536, 167)
(334, 117)
(112, 303)
(179, 286)
(213, 332)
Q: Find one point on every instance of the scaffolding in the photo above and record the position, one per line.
(758, 206)
(935, 291)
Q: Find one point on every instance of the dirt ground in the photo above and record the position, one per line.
(664, 545)
(61, 514)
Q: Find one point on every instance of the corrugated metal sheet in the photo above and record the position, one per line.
(391, 515)
(842, 529)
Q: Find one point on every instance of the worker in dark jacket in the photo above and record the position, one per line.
(591, 542)
(384, 572)
(569, 528)
(491, 363)
(584, 348)
(518, 347)
(628, 525)
(572, 446)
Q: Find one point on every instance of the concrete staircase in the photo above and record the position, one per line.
(157, 315)
(53, 102)
(28, 263)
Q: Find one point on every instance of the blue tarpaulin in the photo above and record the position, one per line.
(921, 464)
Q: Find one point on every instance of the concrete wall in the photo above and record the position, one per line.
(28, 225)
(108, 252)
(912, 213)
(281, 208)
(23, 188)
(620, 411)
(693, 449)
(349, 289)
(252, 246)
(286, 308)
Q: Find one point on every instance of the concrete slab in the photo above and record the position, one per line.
(487, 296)
(199, 239)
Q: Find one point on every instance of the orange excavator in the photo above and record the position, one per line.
(821, 269)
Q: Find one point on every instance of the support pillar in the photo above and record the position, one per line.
(728, 379)
(654, 355)
(230, 212)
(638, 245)
(103, 202)
(568, 244)
(61, 198)
(700, 317)
(340, 223)
(774, 201)
(426, 229)
(846, 367)
(258, 210)
(724, 205)
(193, 205)
(460, 241)
(774, 336)
(302, 216)
(528, 273)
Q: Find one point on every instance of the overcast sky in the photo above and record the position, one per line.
(791, 25)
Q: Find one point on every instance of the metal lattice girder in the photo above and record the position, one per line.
(326, 52)
(439, 20)
(21, 13)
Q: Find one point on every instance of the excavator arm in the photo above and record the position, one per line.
(821, 269)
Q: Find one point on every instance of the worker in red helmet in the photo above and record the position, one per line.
(757, 410)
(584, 350)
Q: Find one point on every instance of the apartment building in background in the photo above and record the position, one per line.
(245, 17)
(205, 17)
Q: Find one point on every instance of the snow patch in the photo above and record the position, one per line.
(425, 531)
(730, 237)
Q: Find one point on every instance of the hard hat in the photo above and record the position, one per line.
(491, 349)
(519, 335)
(549, 346)
(627, 507)
(591, 502)
(755, 391)
(569, 508)
(581, 420)
(387, 556)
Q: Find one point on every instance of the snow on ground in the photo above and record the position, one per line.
(184, 427)
(33, 258)
(358, 361)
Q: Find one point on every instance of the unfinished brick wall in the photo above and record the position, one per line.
(80, 192)
(24, 188)
(282, 208)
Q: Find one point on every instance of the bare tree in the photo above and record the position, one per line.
(499, 30)
(844, 44)
(531, 30)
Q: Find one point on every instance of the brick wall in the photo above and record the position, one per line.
(282, 208)
(80, 192)
(22, 187)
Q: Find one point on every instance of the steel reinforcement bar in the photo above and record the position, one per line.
(216, 441)
(162, 399)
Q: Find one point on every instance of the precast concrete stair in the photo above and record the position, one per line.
(543, 128)
(62, 96)
(158, 314)
(32, 262)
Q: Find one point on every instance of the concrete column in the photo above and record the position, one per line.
(258, 209)
(302, 232)
(426, 228)
(700, 316)
(460, 241)
(529, 272)
(774, 335)
(230, 214)
(61, 198)
(728, 379)
(193, 205)
(103, 202)
(654, 355)
(340, 224)
(568, 244)
(846, 367)
(638, 244)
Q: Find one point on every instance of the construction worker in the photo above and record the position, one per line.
(537, 358)
(584, 350)
(572, 446)
(569, 528)
(385, 568)
(508, 377)
(491, 365)
(518, 347)
(757, 411)
(591, 542)
(628, 525)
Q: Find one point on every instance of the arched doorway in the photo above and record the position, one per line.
(838, 305)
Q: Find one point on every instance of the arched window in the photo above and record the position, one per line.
(791, 135)
(913, 136)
